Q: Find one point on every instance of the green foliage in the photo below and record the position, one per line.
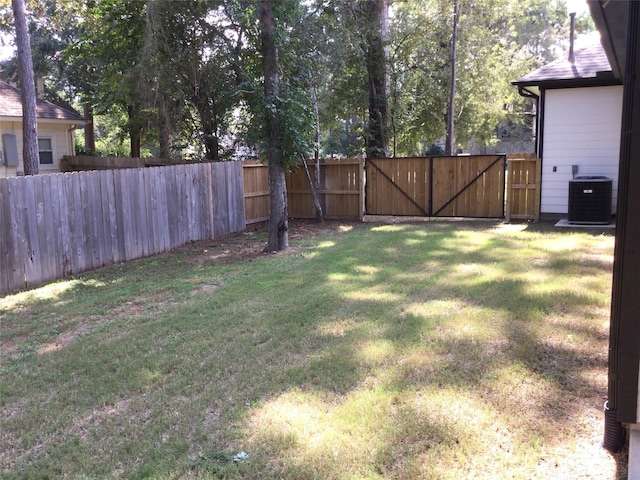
(498, 42)
(345, 139)
(186, 76)
(298, 60)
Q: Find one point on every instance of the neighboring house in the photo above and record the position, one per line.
(578, 123)
(55, 133)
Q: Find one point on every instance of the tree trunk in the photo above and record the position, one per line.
(278, 214)
(89, 133)
(134, 132)
(164, 140)
(315, 195)
(376, 53)
(30, 155)
(165, 130)
(209, 125)
(450, 140)
(315, 186)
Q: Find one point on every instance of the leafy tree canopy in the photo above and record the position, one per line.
(184, 78)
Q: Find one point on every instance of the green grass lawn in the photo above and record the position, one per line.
(422, 350)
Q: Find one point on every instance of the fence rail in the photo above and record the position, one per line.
(66, 223)
(82, 163)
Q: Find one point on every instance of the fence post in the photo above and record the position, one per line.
(361, 197)
(509, 191)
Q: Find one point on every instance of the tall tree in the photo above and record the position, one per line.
(374, 19)
(104, 59)
(197, 46)
(451, 136)
(28, 89)
(498, 41)
(278, 217)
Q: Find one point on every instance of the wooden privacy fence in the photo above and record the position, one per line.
(341, 190)
(459, 186)
(59, 224)
(524, 174)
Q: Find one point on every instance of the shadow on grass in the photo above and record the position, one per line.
(372, 355)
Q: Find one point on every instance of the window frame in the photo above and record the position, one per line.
(41, 151)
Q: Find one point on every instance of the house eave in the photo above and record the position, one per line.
(605, 81)
(610, 18)
(60, 121)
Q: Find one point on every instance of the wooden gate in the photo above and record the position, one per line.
(462, 186)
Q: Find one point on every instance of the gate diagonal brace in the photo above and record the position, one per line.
(468, 185)
(384, 174)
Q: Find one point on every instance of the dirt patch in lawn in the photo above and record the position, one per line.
(250, 244)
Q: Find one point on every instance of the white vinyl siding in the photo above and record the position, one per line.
(581, 127)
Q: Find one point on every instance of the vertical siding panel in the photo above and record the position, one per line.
(582, 127)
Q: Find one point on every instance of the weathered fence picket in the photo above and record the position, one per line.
(65, 223)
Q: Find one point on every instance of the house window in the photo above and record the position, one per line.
(45, 150)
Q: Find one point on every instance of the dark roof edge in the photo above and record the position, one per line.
(608, 81)
(600, 21)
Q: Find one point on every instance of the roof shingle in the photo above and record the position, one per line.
(11, 106)
(590, 62)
